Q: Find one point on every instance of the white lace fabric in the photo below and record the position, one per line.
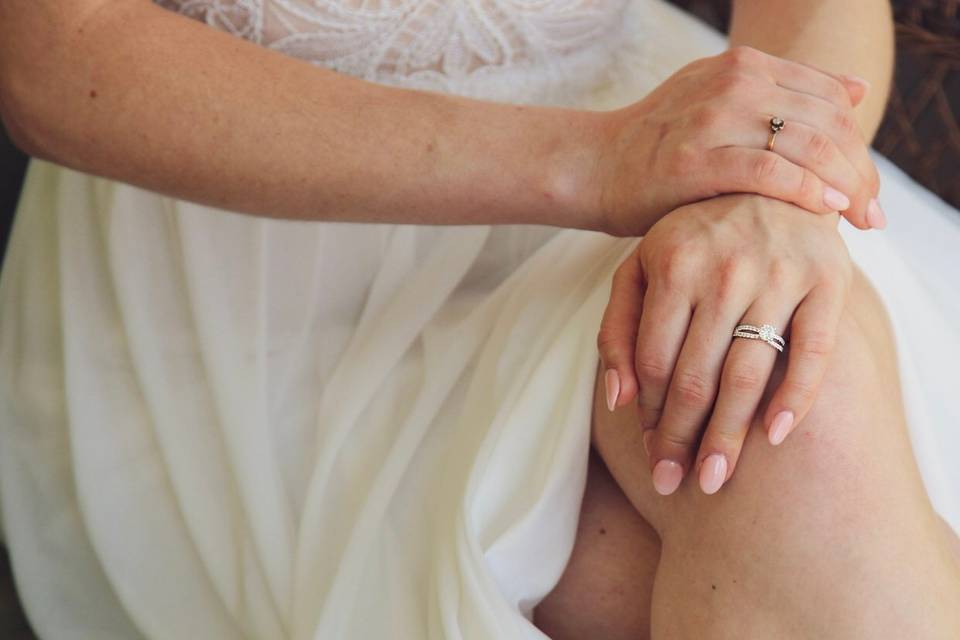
(517, 50)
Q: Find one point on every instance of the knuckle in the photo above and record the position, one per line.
(676, 439)
(649, 415)
(817, 343)
(743, 56)
(844, 122)
(675, 264)
(744, 377)
(801, 392)
(687, 153)
(808, 189)
(733, 274)
(766, 168)
(707, 117)
(726, 437)
(685, 158)
(836, 92)
(609, 341)
(734, 82)
(692, 389)
(652, 369)
(820, 148)
(778, 273)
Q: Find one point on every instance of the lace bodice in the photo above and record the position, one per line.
(521, 50)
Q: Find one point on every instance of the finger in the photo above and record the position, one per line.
(617, 338)
(840, 90)
(812, 149)
(746, 170)
(745, 374)
(844, 91)
(857, 87)
(840, 126)
(663, 325)
(691, 394)
(812, 336)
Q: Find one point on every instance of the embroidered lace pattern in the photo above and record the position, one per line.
(521, 50)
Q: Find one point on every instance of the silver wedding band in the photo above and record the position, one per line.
(767, 333)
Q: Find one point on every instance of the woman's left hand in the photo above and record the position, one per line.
(702, 270)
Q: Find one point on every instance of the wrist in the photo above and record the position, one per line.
(566, 165)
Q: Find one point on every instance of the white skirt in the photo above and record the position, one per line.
(217, 426)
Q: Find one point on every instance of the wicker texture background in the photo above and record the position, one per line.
(920, 133)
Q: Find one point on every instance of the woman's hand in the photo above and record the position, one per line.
(700, 271)
(704, 132)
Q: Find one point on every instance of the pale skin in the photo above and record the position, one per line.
(828, 534)
(203, 116)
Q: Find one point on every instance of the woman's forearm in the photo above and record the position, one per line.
(842, 36)
(133, 92)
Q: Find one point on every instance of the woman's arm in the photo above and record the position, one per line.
(842, 36)
(127, 90)
(131, 91)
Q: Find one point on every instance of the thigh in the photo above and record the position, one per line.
(607, 586)
(828, 535)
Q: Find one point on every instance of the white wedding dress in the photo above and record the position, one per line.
(214, 426)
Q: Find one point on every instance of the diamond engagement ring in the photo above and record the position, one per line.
(767, 333)
(776, 126)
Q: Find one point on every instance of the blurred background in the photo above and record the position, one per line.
(920, 133)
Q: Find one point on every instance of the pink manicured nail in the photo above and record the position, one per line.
(611, 381)
(780, 427)
(861, 81)
(713, 472)
(875, 216)
(667, 475)
(647, 436)
(835, 200)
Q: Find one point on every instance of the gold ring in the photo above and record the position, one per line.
(776, 126)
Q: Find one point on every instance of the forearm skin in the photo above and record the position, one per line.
(132, 92)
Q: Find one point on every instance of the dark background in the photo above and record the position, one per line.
(920, 133)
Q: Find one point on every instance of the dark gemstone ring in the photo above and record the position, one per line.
(776, 126)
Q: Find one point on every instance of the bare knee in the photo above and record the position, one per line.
(836, 513)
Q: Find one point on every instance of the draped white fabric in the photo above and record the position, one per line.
(217, 426)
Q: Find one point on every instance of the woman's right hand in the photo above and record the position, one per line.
(704, 132)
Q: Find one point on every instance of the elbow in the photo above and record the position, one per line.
(19, 122)
(25, 103)
(40, 47)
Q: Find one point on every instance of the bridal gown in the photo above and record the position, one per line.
(214, 426)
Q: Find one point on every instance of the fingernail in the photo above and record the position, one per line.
(647, 435)
(876, 218)
(861, 81)
(835, 200)
(780, 427)
(611, 381)
(667, 475)
(713, 472)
